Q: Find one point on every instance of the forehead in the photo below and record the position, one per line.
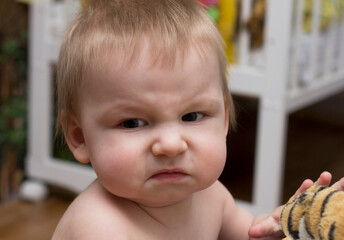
(148, 60)
(117, 68)
(153, 53)
(148, 82)
(190, 78)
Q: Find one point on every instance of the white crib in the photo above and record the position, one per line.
(276, 83)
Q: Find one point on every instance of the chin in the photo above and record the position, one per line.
(165, 200)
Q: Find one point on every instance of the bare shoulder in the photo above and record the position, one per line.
(217, 195)
(219, 191)
(94, 214)
(235, 220)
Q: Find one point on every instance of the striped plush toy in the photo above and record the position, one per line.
(317, 214)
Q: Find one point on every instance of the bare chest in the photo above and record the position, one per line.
(205, 225)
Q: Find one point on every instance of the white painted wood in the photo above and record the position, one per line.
(322, 88)
(45, 32)
(272, 115)
(314, 52)
(39, 85)
(341, 45)
(296, 45)
(246, 80)
(72, 176)
(330, 44)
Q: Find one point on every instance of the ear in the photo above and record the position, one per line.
(74, 137)
(226, 119)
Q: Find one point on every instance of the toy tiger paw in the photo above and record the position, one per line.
(316, 214)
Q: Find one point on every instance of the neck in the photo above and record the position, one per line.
(175, 215)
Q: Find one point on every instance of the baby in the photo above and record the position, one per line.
(143, 96)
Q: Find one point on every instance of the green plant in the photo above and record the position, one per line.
(13, 124)
(13, 114)
(14, 51)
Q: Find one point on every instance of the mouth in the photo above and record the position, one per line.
(169, 175)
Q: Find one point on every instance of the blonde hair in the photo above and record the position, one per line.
(104, 25)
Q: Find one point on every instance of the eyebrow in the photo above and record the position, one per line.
(123, 106)
(209, 102)
(135, 107)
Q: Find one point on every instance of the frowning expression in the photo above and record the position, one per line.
(155, 134)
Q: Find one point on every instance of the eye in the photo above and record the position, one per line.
(132, 123)
(191, 117)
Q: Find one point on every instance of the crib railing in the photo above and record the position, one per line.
(316, 53)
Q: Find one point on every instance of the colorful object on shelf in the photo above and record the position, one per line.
(224, 13)
(316, 214)
(25, 1)
(227, 25)
(330, 9)
(209, 2)
(84, 3)
(212, 7)
(256, 24)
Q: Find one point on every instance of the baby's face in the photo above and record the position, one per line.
(155, 134)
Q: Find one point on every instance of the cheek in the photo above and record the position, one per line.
(215, 155)
(115, 161)
(212, 151)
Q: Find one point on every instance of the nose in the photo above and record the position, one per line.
(170, 142)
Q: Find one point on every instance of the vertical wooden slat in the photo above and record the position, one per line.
(244, 38)
(315, 32)
(272, 120)
(341, 45)
(330, 43)
(296, 43)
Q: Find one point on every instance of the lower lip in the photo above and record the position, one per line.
(169, 177)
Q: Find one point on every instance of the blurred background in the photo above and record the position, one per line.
(314, 136)
(13, 95)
